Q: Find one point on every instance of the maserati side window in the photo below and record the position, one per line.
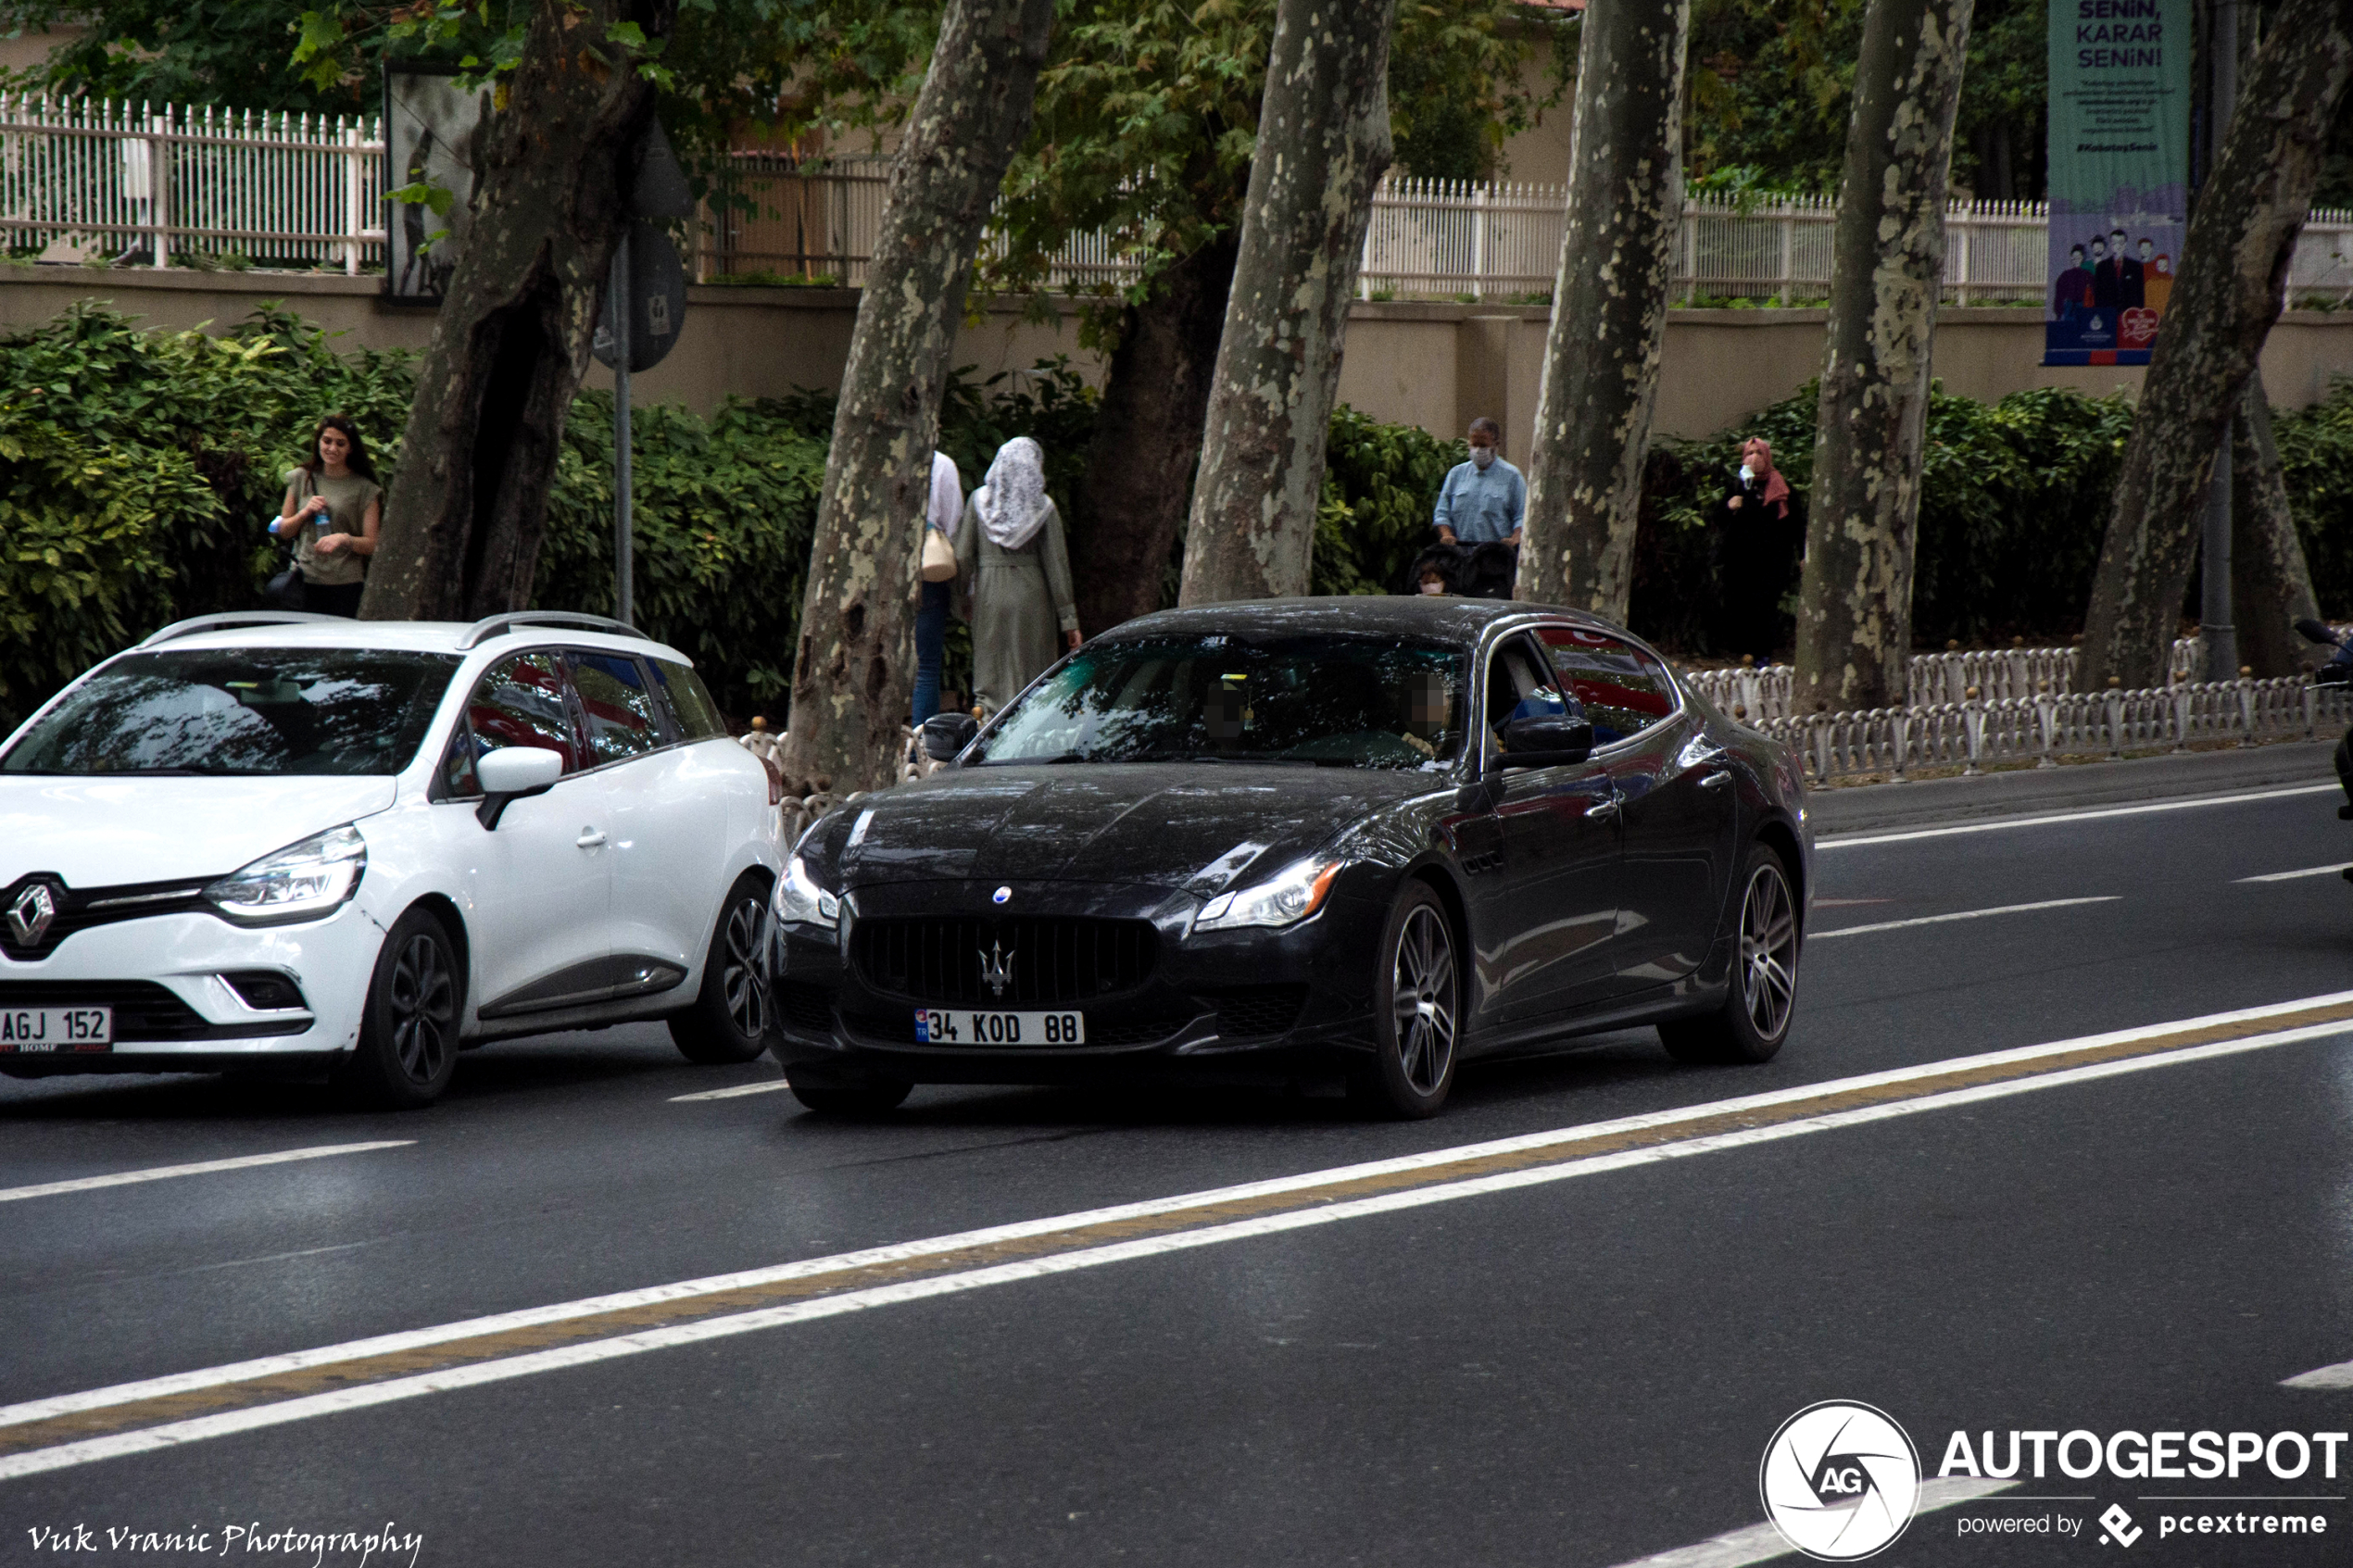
(1625, 691)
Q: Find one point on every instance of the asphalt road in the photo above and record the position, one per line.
(1581, 1371)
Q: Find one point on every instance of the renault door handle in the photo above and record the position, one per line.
(589, 838)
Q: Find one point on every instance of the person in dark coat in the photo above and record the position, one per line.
(1764, 540)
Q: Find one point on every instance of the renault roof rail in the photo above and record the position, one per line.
(491, 626)
(223, 620)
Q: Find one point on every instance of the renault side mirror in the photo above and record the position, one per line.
(1547, 741)
(510, 772)
(947, 734)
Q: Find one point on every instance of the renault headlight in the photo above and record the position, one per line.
(801, 902)
(301, 881)
(1285, 899)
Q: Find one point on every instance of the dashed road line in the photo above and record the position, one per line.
(1762, 1543)
(1965, 914)
(1855, 841)
(767, 1087)
(70, 1429)
(2308, 870)
(200, 1168)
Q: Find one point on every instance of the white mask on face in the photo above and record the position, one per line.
(1745, 474)
(1433, 587)
(1482, 456)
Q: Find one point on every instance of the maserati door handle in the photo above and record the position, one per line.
(1606, 808)
(589, 838)
(1716, 781)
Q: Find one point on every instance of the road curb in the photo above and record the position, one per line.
(2032, 791)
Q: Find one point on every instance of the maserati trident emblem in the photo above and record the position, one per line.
(997, 968)
(29, 916)
(1000, 895)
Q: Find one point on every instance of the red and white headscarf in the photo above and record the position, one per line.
(1761, 466)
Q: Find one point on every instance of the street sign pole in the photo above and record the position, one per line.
(2214, 594)
(623, 598)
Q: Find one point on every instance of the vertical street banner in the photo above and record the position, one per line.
(2120, 158)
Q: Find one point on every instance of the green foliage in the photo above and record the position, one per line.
(1379, 484)
(2014, 499)
(2316, 453)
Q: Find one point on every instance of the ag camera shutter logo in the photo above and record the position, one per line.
(1839, 1481)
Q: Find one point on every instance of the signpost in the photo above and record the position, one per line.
(649, 285)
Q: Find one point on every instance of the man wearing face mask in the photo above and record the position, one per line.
(1484, 500)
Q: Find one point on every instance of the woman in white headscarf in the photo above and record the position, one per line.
(1014, 567)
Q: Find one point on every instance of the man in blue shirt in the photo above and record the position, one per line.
(1484, 499)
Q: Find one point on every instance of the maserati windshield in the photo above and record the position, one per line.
(1340, 701)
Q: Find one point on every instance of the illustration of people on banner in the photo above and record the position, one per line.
(2118, 175)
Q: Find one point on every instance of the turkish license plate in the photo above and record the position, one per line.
(961, 1026)
(31, 1030)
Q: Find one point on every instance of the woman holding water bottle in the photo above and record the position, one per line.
(332, 513)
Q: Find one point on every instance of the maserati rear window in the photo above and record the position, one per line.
(301, 712)
(1359, 702)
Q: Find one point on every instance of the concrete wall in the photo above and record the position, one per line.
(1434, 365)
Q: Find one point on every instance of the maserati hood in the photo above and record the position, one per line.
(1202, 825)
(96, 831)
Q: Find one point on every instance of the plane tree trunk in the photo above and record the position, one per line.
(2226, 295)
(853, 672)
(466, 512)
(1139, 480)
(1609, 308)
(1323, 145)
(2271, 584)
(1887, 267)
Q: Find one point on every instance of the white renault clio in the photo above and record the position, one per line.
(300, 844)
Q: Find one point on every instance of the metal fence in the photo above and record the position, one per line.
(1980, 732)
(100, 180)
(1764, 692)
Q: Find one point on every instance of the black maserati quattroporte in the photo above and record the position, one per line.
(1316, 842)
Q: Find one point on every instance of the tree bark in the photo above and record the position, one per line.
(853, 672)
(1132, 498)
(1609, 308)
(1855, 614)
(1323, 145)
(2271, 584)
(2226, 295)
(467, 509)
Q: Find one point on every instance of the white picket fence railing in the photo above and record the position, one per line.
(94, 181)
(1980, 732)
(82, 180)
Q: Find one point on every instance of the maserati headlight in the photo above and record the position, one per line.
(301, 881)
(1285, 899)
(801, 902)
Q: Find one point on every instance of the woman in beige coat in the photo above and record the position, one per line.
(1014, 567)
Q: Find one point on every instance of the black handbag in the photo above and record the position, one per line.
(285, 590)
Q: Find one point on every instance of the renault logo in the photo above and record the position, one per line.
(29, 916)
(997, 968)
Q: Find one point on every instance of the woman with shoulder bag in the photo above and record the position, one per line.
(333, 512)
(945, 505)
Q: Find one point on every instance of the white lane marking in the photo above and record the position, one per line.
(36, 1461)
(201, 1168)
(1853, 841)
(2337, 1376)
(1762, 1543)
(410, 1339)
(1965, 914)
(2291, 876)
(764, 1088)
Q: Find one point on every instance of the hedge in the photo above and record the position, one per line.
(136, 468)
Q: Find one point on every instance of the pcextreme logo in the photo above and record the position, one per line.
(1839, 1481)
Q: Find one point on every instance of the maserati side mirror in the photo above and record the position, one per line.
(947, 734)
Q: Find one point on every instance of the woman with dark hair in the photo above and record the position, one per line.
(333, 512)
